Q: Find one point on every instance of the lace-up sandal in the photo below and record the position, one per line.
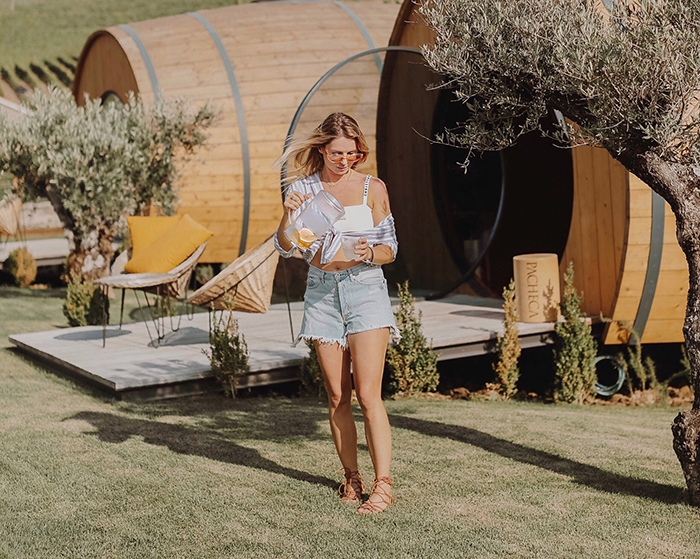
(384, 497)
(352, 488)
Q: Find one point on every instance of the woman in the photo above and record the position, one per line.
(347, 312)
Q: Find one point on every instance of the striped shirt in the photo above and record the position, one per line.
(384, 233)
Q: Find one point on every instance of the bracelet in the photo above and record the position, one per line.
(371, 259)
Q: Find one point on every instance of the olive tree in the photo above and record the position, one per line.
(626, 76)
(98, 164)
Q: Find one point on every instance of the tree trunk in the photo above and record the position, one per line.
(680, 187)
(90, 259)
(686, 426)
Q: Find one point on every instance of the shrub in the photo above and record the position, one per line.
(20, 264)
(229, 352)
(23, 75)
(64, 78)
(40, 73)
(83, 304)
(641, 371)
(67, 64)
(508, 347)
(7, 78)
(685, 375)
(575, 349)
(99, 163)
(411, 363)
(310, 375)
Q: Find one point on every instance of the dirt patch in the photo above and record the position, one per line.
(682, 396)
(489, 394)
(677, 397)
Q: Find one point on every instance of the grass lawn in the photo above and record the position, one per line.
(82, 476)
(40, 29)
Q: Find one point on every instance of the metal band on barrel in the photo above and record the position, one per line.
(242, 127)
(361, 26)
(656, 250)
(146, 59)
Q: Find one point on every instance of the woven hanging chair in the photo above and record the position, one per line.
(247, 280)
(10, 210)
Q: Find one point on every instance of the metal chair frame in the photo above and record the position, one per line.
(163, 289)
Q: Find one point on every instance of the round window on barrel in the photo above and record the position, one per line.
(499, 204)
(466, 198)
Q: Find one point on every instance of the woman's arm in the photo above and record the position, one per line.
(378, 200)
(292, 202)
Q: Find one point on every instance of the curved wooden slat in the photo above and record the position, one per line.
(242, 127)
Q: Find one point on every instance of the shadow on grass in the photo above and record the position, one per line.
(186, 440)
(256, 417)
(583, 474)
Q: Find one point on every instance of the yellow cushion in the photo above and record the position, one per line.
(170, 249)
(144, 230)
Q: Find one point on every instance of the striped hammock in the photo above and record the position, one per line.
(247, 281)
(10, 210)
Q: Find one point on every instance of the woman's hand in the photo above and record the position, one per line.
(362, 250)
(294, 200)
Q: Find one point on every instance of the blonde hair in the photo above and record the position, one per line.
(303, 155)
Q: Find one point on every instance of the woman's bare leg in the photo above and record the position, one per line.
(335, 365)
(368, 350)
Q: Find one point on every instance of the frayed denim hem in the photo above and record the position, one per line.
(343, 344)
(394, 335)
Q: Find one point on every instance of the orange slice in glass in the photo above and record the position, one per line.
(306, 237)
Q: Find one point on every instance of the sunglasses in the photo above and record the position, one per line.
(338, 157)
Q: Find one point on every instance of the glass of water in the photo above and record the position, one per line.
(349, 244)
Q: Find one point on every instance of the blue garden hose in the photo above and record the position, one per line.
(603, 390)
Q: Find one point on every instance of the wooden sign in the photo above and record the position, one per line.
(537, 293)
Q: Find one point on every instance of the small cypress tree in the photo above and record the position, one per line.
(575, 349)
(229, 352)
(411, 363)
(508, 347)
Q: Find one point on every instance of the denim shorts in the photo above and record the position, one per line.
(337, 304)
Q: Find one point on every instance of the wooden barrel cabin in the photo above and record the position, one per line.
(534, 197)
(256, 63)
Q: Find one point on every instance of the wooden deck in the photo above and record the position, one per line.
(129, 367)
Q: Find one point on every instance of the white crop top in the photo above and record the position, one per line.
(357, 217)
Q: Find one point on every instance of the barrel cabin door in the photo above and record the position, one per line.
(496, 205)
